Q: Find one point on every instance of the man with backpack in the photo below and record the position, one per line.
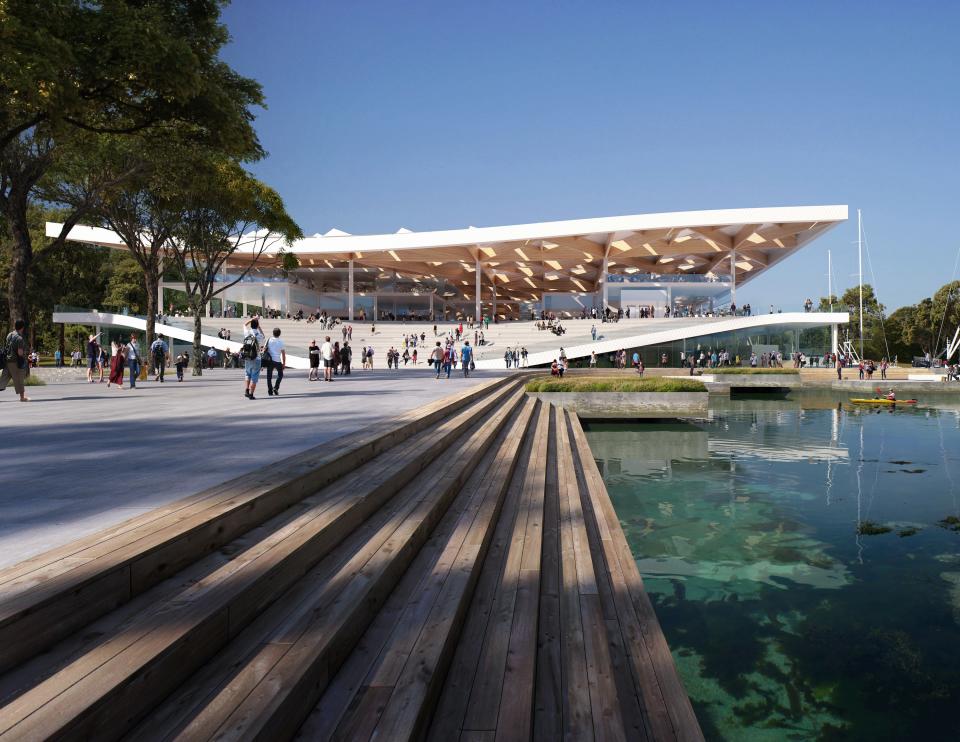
(161, 354)
(15, 360)
(252, 343)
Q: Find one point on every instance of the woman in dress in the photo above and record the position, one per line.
(118, 362)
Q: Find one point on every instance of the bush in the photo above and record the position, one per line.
(652, 384)
(749, 370)
(34, 380)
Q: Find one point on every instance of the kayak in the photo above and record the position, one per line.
(884, 401)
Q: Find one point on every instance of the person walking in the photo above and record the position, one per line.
(15, 365)
(346, 354)
(326, 354)
(181, 364)
(161, 356)
(436, 358)
(314, 353)
(133, 359)
(118, 362)
(593, 332)
(593, 359)
(448, 360)
(251, 350)
(466, 358)
(93, 354)
(58, 358)
(839, 366)
(277, 359)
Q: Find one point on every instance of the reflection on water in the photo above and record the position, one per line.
(784, 621)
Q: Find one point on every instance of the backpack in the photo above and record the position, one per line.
(157, 347)
(251, 349)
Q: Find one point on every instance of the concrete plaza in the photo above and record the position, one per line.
(81, 457)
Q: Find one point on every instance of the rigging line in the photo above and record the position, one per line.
(876, 296)
(946, 306)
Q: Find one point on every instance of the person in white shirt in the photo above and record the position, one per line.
(326, 355)
(278, 359)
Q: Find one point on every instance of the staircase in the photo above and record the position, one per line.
(458, 572)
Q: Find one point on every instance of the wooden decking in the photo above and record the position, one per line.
(458, 574)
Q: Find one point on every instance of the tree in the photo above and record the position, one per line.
(107, 68)
(125, 287)
(874, 340)
(229, 215)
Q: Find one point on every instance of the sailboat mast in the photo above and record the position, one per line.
(860, 269)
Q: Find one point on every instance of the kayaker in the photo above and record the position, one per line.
(891, 396)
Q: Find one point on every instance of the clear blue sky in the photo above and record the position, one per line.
(434, 115)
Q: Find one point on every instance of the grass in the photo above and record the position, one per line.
(749, 370)
(652, 384)
(34, 380)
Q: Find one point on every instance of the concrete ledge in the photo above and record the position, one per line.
(627, 404)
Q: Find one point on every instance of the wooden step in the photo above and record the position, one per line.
(493, 657)
(109, 687)
(646, 676)
(47, 597)
(273, 691)
(401, 688)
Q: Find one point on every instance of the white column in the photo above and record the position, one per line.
(476, 315)
(733, 276)
(834, 346)
(350, 289)
(494, 287)
(431, 307)
(603, 277)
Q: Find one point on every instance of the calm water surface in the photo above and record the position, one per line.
(785, 622)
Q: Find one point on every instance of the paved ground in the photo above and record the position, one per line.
(80, 457)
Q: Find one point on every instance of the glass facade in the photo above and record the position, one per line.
(812, 342)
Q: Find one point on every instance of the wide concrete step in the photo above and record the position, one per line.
(47, 597)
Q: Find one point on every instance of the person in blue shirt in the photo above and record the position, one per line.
(466, 358)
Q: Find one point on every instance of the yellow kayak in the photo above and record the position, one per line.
(884, 401)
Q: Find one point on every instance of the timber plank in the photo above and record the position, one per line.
(548, 692)
(577, 721)
(455, 696)
(666, 705)
(406, 714)
(484, 705)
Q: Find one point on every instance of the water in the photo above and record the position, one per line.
(784, 622)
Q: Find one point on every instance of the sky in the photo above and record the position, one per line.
(438, 115)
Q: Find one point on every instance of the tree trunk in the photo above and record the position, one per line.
(151, 283)
(197, 355)
(21, 255)
(62, 340)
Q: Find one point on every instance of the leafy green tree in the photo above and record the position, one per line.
(108, 67)
(125, 285)
(228, 215)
